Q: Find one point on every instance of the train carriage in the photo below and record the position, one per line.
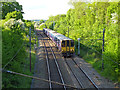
(63, 43)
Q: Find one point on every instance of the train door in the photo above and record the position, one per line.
(65, 46)
(60, 44)
(68, 43)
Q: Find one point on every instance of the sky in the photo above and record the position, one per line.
(42, 9)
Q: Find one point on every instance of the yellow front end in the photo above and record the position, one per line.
(67, 49)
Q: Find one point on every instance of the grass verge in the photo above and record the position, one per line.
(95, 59)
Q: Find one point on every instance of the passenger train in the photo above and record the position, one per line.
(64, 44)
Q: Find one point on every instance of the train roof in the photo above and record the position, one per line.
(58, 35)
(62, 37)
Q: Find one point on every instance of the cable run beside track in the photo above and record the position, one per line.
(16, 73)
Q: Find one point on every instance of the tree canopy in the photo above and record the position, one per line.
(15, 14)
(10, 7)
(87, 21)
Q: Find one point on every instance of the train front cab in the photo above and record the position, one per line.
(67, 48)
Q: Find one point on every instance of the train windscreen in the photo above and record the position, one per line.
(63, 43)
(67, 42)
(72, 43)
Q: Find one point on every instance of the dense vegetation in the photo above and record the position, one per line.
(15, 46)
(8, 7)
(87, 21)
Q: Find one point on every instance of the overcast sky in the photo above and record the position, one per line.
(42, 9)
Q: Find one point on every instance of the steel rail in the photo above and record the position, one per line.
(81, 85)
(74, 75)
(58, 68)
(86, 75)
(48, 67)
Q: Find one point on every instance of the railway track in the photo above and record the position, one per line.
(80, 75)
(54, 72)
(92, 82)
(86, 81)
(79, 82)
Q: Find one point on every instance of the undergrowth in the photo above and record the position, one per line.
(109, 70)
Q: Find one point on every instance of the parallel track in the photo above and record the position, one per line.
(56, 63)
(96, 87)
(47, 63)
(80, 70)
(85, 74)
(48, 67)
(81, 85)
(79, 82)
(58, 67)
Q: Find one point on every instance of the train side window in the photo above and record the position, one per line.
(67, 42)
(72, 43)
(55, 39)
(58, 41)
(63, 43)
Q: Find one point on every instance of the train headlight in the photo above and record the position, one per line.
(72, 50)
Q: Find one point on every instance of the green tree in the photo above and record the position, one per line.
(10, 7)
(87, 21)
(41, 21)
(15, 14)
